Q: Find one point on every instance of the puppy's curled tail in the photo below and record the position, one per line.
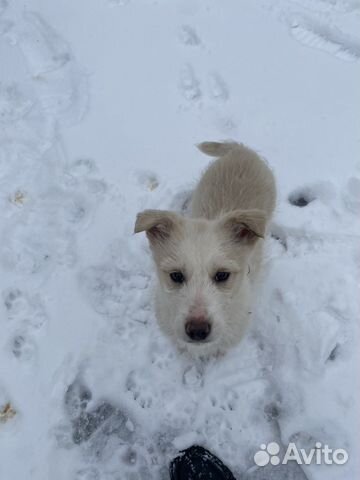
(217, 149)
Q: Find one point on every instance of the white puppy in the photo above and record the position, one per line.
(207, 265)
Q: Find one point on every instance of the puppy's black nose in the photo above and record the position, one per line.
(197, 329)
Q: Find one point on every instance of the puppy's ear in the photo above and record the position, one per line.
(244, 226)
(158, 224)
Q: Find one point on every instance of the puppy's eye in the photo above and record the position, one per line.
(221, 277)
(177, 277)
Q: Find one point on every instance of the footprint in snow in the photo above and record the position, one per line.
(82, 167)
(324, 195)
(314, 34)
(225, 124)
(60, 83)
(26, 315)
(117, 292)
(218, 89)
(303, 196)
(23, 347)
(325, 343)
(189, 84)
(278, 234)
(193, 377)
(15, 302)
(44, 50)
(24, 309)
(82, 180)
(91, 418)
(134, 386)
(188, 36)
(148, 180)
(77, 397)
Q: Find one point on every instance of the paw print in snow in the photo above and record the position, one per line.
(188, 36)
(189, 85)
(217, 87)
(24, 309)
(133, 385)
(23, 347)
(148, 180)
(323, 191)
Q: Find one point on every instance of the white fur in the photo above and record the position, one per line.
(230, 211)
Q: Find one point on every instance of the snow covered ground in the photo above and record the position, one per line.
(101, 103)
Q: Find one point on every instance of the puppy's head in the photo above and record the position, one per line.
(203, 292)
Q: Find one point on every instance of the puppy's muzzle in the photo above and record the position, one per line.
(197, 328)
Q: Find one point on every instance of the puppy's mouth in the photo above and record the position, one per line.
(198, 344)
